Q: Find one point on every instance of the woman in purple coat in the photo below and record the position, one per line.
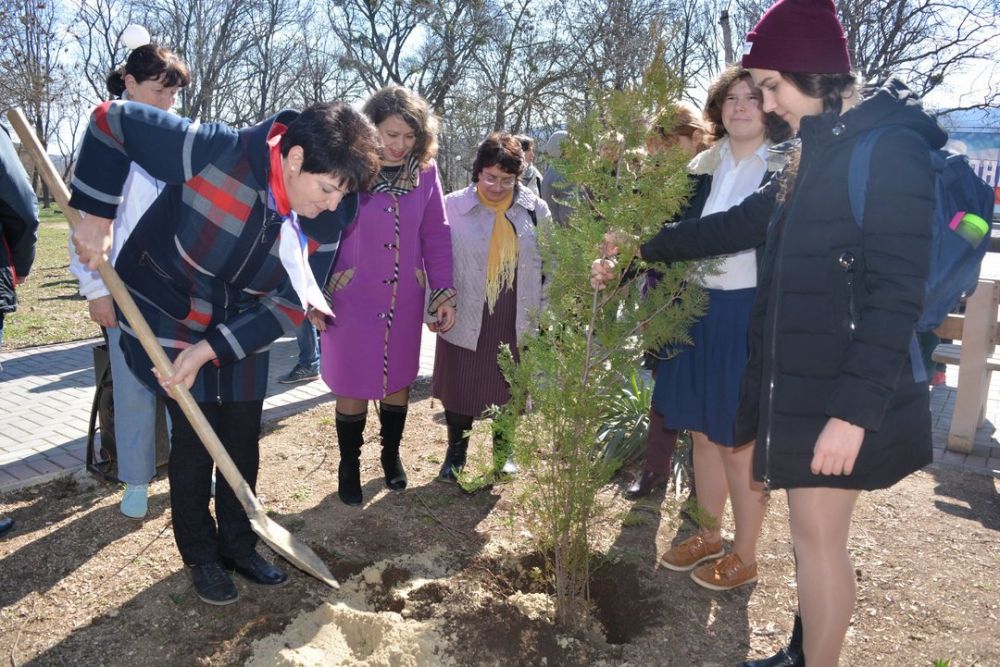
(396, 250)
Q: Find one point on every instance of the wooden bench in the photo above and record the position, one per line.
(976, 358)
(949, 353)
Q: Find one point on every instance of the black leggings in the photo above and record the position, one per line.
(238, 426)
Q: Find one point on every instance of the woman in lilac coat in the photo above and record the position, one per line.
(397, 250)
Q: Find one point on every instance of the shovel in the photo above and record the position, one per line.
(277, 537)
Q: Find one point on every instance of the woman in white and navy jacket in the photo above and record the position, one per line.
(151, 75)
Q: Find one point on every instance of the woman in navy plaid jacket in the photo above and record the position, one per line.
(225, 260)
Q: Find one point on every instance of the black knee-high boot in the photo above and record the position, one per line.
(350, 436)
(792, 655)
(458, 445)
(393, 419)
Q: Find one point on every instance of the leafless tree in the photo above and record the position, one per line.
(68, 128)
(97, 28)
(212, 36)
(923, 41)
(259, 83)
(520, 65)
(612, 37)
(694, 51)
(455, 31)
(34, 76)
(516, 62)
(317, 71)
(377, 35)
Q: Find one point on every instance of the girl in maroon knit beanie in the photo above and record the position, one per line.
(830, 392)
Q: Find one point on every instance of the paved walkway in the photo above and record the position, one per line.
(46, 395)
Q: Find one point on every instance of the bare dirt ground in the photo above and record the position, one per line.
(434, 576)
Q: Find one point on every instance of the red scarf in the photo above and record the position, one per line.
(276, 178)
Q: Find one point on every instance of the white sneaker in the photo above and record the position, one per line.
(510, 468)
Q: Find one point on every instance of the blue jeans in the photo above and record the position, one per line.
(135, 418)
(308, 345)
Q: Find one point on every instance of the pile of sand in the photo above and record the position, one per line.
(347, 630)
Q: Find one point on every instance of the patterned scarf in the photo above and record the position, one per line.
(502, 263)
(293, 245)
(405, 180)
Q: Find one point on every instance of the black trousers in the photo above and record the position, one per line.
(190, 470)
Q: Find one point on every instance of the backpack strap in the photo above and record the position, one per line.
(859, 170)
(860, 167)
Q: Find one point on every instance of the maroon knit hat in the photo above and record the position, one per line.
(799, 36)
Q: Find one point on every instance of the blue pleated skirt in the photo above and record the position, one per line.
(698, 389)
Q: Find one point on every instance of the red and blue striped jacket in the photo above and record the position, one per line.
(202, 264)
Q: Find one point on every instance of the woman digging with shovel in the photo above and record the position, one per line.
(224, 261)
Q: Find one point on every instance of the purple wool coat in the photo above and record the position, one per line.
(371, 348)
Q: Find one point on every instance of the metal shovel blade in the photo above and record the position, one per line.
(279, 539)
(294, 551)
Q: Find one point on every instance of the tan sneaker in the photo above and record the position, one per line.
(725, 574)
(689, 553)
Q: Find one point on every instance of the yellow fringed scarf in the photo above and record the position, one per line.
(502, 264)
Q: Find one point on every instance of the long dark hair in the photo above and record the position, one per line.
(150, 62)
(831, 89)
(827, 87)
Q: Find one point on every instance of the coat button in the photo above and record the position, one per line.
(389, 209)
(381, 316)
(838, 129)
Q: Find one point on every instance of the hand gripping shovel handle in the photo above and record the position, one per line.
(271, 532)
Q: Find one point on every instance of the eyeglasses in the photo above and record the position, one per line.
(505, 183)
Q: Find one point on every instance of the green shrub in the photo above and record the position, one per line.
(571, 372)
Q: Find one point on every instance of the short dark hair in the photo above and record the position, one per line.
(335, 139)
(150, 62)
(414, 109)
(827, 87)
(501, 149)
(775, 129)
(527, 143)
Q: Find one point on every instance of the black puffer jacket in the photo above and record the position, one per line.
(826, 341)
(18, 222)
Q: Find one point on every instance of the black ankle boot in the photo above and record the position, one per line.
(393, 419)
(458, 446)
(792, 655)
(350, 436)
